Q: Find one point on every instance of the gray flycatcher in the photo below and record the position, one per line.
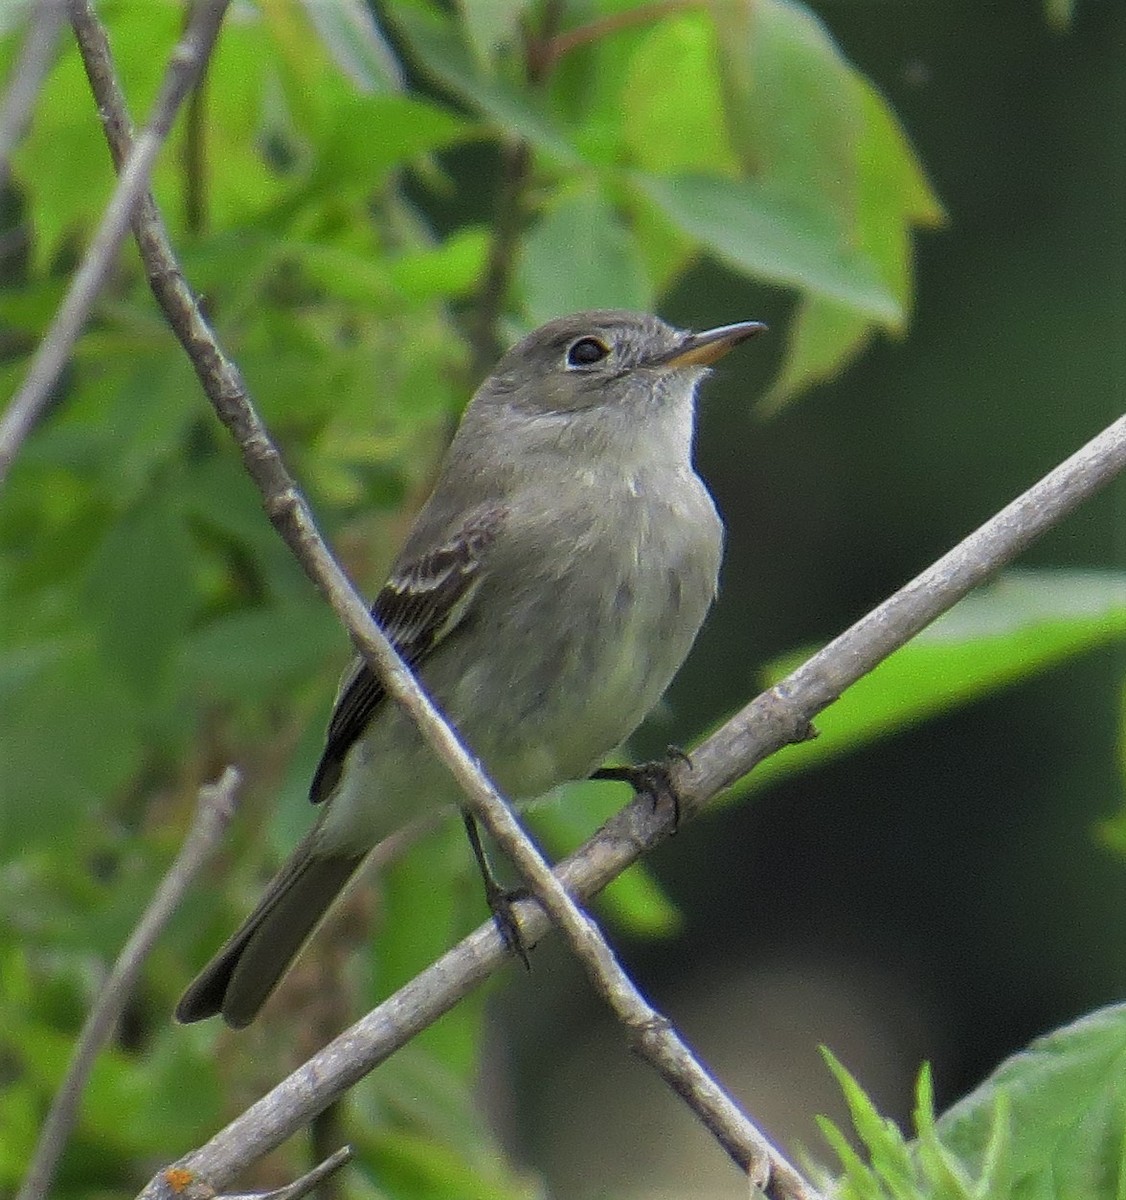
(548, 591)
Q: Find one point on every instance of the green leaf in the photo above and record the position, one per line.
(431, 898)
(350, 276)
(240, 98)
(636, 904)
(70, 740)
(1113, 832)
(21, 1117)
(350, 31)
(887, 1149)
(217, 493)
(145, 418)
(415, 1091)
(770, 237)
(490, 24)
(129, 1100)
(127, 409)
(453, 268)
(948, 1179)
(408, 127)
(64, 161)
(792, 105)
(1059, 13)
(677, 126)
(894, 194)
(249, 654)
(823, 336)
(427, 1168)
(444, 55)
(1063, 1101)
(811, 128)
(897, 1170)
(580, 255)
(141, 592)
(858, 1181)
(1022, 623)
(30, 307)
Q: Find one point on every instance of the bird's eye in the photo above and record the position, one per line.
(586, 351)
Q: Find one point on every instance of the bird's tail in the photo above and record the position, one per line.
(247, 968)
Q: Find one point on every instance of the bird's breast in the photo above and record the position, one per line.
(590, 615)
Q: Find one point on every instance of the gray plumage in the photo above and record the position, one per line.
(548, 591)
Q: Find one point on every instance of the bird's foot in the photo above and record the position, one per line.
(653, 779)
(501, 901)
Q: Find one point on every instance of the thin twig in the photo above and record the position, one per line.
(193, 153)
(35, 58)
(186, 1186)
(653, 1036)
(554, 48)
(303, 1186)
(290, 513)
(509, 211)
(184, 65)
(215, 806)
(483, 325)
(783, 713)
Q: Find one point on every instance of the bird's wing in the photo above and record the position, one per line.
(421, 605)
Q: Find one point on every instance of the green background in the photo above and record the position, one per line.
(939, 877)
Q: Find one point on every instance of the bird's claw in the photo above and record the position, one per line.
(501, 901)
(653, 779)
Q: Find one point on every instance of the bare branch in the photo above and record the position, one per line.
(193, 155)
(32, 65)
(215, 806)
(304, 1185)
(184, 66)
(186, 1186)
(774, 719)
(564, 43)
(783, 714)
(780, 716)
(653, 1035)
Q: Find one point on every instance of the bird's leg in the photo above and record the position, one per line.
(653, 779)
(500, 899)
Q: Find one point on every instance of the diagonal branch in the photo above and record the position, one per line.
(772, 720)
(33, 63)
(780, 716)
(215, 807)
(185, 1186)
(308, 1182)
(184, 66)
(653, 1035)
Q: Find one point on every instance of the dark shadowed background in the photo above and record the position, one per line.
(942, 894)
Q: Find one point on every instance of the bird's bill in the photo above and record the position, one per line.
(703, 349)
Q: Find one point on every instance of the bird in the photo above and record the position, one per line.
(547, 593)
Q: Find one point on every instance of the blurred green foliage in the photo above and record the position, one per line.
(1047, 1123)
(152, 626)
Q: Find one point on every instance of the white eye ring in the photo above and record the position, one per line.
(586, 352)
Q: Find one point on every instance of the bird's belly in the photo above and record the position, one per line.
(570, 672)
(565, 695)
